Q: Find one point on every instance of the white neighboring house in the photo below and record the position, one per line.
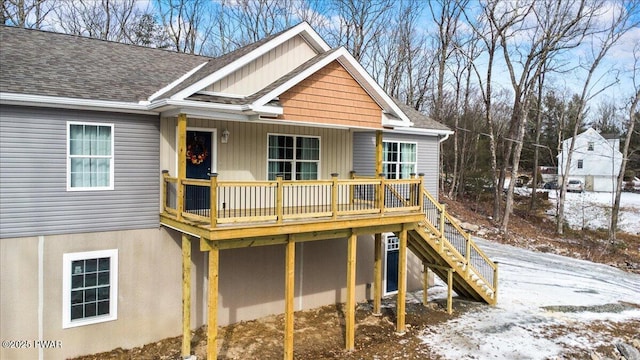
(596, 160)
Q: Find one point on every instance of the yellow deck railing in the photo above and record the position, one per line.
(227, 202)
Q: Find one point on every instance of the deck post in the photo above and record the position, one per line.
(442, 222)
(163, 196)
(381, 193)
(213, 199)
(279, 197)
(334, 196)
(350, 306)
(412, 191)
(212, 306)
(449, 291)
(182, 162)
(421, 192)
(402, 282)
(379, 151)
(186, 296)
(289, 291)
(495, 284)
(425, 284)
(377, 275)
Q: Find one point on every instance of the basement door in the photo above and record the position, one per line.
(200, 157)
(392, 252)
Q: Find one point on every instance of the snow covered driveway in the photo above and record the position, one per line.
(545, 305)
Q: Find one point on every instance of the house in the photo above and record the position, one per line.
(144, 193)
(596, 160)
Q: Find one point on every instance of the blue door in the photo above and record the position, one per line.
(391, 264)
(198, 167)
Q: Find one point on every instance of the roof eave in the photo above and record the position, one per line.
(74, 103)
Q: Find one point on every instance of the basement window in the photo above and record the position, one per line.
(90, 287)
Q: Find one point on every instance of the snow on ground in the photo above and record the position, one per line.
(538, 291)
(592, 210)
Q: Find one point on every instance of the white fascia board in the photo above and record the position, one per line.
(176, 82)
(170, 103)
(267, 110)
(74, 103)
(419, 131)
(205, 114)
(302, 29)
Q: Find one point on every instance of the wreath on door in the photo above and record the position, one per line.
(196, 150)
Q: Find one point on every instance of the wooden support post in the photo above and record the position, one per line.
(421, 192)
(212, 306)
(182, 162)
(186, 296)
(377, 275)
(402, 282)
(289, 291)
(495, 284)
(165, 175)
(449, 291)
(279, 199)
(350, 306)
(334, 196)
(425, 284)
(442, 222)
(379, 151)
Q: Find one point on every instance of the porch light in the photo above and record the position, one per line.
(225, 136)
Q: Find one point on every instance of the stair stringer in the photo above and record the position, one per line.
(427, 246)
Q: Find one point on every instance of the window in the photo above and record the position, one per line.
(90, 156)
(590, 146)
(293, 157)
(90, 287)
(580, 164)
(399, 159)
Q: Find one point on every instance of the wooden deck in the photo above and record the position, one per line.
(267, 212)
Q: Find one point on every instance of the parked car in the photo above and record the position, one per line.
(575, 185)
(551, 185)
(631, 184)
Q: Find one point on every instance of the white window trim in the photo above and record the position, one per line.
(67, 260)
(398, 162)
(294, 161)
(113, 156)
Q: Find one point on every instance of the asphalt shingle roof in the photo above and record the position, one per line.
(45, 63)
(52, 64)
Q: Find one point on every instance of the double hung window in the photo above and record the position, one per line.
(399, 159)
(90, 156)
(293, 157)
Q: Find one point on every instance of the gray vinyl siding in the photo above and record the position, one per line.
(33, 174)
(364, 152)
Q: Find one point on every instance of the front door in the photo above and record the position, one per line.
(392, 252)
(199, 160)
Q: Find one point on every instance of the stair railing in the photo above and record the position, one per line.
(453, 236)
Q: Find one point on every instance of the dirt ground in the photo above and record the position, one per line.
(319, 333)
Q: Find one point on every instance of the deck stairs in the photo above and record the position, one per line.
(452, 255)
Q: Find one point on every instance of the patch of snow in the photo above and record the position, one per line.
(592, 210)
(537, 291)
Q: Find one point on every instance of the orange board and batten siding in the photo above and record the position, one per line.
(331, 96)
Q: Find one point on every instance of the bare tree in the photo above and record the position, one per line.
(26, 13)
(360, 23)
(189, 23)
(633, 114)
